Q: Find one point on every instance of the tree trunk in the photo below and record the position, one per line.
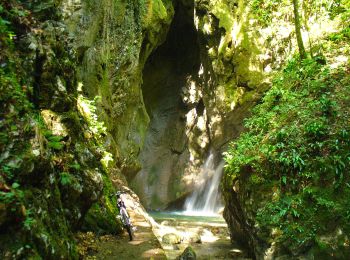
(298, 30)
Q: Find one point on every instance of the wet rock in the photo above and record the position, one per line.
(195, 238)
(188, 254)
(53, 122)
(235, 253)
(171, 238)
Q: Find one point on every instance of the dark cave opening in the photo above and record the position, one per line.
(168, 67)
(165, 75)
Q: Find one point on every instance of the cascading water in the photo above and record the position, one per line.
(205, 200)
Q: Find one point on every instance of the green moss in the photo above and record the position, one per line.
(156, 201)
(46, 235)
(156, 10)
(101, 217)
(224, 13)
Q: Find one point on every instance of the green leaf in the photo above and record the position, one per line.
(284, 180)
(15, 185)
(55, 145)
(47, 133)
(295, 213)
(55, 138)
(66, 178)
(75, 166)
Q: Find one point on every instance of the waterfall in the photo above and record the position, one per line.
(205, 200)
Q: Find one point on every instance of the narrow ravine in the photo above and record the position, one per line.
(224, 122)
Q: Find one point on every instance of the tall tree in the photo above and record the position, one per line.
(298, 29)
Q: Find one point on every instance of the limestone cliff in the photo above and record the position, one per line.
(199, 85)
(72, 116)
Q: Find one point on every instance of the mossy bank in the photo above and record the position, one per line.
(287, 184)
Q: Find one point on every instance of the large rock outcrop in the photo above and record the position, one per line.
(72, 116)
(200, 85)
(113, 40)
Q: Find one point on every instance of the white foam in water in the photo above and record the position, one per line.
(205, 200)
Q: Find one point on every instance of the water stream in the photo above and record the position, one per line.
(205, 200)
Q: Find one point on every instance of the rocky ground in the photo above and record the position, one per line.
(165, 238)
(145, 244)
(208, 238)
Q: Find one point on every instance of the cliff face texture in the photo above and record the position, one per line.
(97, 94)
(72, 116)
(199, 85)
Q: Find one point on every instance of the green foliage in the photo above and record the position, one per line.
(6, 34)
(88, 109)
(70, 181)
(339, 7)
(297, 142)
(13, 200)
(263, 10)
(343, 35)
(66, 178)
(13, 13)
(29, 220)
(12, 92)
(53, 141)
(75, 166)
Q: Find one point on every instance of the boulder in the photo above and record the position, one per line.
(171, 238)
(188, 254)
(195, 238)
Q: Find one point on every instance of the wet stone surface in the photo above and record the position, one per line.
(207, 236)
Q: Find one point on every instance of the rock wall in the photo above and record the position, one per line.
(50, 174)
(72, 117)
(238, 54)
(113, 39)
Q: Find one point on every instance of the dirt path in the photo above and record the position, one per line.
(144, 246)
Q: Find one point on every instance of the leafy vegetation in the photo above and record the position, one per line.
(264, 10)
(88, 110)
(14, 125)
(295, 150)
